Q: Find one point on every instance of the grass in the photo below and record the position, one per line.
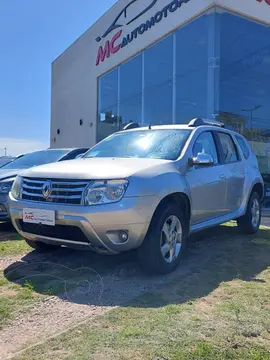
(13, 247)
(11, 243)
(219, 310)
(14, 299)
(19, 292)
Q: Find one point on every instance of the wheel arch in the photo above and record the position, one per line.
(259, 189)
(180, 199)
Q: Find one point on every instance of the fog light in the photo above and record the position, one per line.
(118, 236)
(123, 235)
(2, 209)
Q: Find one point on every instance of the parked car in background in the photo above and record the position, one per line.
(9, 171)
(5, 160)
(146, 189)
(19, 156)
(79, 156)
(8, 159)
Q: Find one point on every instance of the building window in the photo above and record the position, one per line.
(130, 101)
(192, 69)
(244, 85)
(166, 83)
(158, 83)
(108, 105)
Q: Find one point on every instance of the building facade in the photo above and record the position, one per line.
(164, 62)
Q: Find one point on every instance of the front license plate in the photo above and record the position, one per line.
(37, 216)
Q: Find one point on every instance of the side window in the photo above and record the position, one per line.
(228, 148)
(243, 146)
(205, 144)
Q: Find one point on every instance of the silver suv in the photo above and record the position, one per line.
(145, 188)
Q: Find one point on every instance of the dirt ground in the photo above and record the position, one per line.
(76, 286)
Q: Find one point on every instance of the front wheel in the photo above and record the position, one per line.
(250, 222)
(41, 246)
(165, 241)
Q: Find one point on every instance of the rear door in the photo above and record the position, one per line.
(235, 172)
(207, 183)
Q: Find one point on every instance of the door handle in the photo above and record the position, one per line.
(223, 177)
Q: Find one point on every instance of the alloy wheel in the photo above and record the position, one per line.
(171, 239)
(255, 212)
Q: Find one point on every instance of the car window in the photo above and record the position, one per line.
(228, 148)
(35, 159)
(244, 147)
(151, 144)
(205, 144)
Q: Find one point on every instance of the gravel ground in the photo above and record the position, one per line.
(101, 284)
(6, 230)
(266, 221)
(111, 282)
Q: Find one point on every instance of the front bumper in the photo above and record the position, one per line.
(4, 212)
(99, 224)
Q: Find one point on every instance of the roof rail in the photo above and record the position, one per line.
(131, 125)
(200, 122)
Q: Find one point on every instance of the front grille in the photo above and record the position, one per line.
(63, 232)
(63, 191)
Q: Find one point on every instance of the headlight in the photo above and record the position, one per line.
(105, 192)
(16, 188)
(6, 185)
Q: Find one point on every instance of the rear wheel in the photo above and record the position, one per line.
(250, 222)
(165, 241)
(41, 246)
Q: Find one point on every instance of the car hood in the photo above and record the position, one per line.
(94, 168)
(8, 173)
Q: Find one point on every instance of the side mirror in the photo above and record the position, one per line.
(202, 160)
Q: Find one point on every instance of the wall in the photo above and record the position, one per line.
(74, 73)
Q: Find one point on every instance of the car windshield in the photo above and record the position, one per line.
(152, 144)
(35, 159)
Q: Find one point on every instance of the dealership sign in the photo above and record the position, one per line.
(265, 1)
(118, 41)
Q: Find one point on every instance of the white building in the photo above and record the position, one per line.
(166, 61)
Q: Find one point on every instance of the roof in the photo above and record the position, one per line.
(160, 127)
(179, 127)
(193, 124)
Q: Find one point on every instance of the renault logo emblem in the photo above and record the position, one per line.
(47, 189)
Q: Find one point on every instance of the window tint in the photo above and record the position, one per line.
(243, 146)
(228, 148)
(205, 144)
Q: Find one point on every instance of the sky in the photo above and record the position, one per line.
(32, 34)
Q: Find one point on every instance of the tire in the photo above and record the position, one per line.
(150, 253)
(250, 222)
(41, 246)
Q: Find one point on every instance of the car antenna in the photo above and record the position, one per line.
(150, 127)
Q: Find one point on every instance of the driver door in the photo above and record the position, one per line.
(207, 183)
